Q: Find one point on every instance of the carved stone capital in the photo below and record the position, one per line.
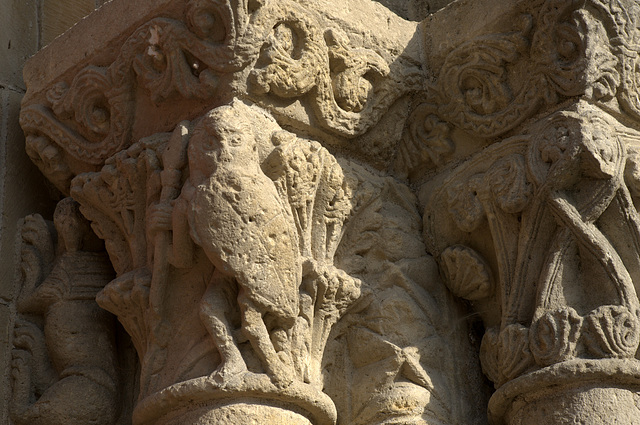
(309, 65)
(234, 158)
(528, 140)
(252, 169)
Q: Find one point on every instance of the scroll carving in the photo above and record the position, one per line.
(247, 221)
(242, 220)
(270, 269)
(529, 206)
(278, 48)
(569, 48)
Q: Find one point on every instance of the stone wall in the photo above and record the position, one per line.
(25, 27)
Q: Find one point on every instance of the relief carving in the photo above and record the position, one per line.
(245, 220)
(489, 85)
(566, 291)
(64, 362)
(535, 226)
(252, 170)
(278, 47)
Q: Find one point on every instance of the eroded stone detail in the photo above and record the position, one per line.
(248, 219)
(490, 84)
(565, 268)
(269, 268)
(276, 47)
(536, 225)
(64, 362)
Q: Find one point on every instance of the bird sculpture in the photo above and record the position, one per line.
(247, 232)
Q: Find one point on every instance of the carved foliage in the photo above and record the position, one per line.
(571, 48)
(116, 199)
(614, 331)
(550, 204)
(90, 118)
(93, 115)
(473, 88)
(349, 88)
(466, 273)
(505, 354)
(310, 180)
(312, 197)
(427, 140)
(554, 336)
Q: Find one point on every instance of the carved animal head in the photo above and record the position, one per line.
(235, 135)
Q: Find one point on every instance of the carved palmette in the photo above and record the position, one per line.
(312, 182)
(555, 220)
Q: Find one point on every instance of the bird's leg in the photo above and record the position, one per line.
(213, 310)
(280, 337)
(256, 332)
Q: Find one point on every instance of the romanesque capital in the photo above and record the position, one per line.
(235, 159)
(323, 212)
(526, 153)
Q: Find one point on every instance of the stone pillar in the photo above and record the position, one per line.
(529, 189)
(235, 159)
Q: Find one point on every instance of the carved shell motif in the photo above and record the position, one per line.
(467, 275)
(553, 336)
(613, 331)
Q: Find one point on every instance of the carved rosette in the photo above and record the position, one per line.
(545, 208)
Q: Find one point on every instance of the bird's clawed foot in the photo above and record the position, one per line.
(281, 370)
(229, 370)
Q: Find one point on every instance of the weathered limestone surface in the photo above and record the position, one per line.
(323, 212)
(22, 188)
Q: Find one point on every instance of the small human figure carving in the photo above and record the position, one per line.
(65, 373)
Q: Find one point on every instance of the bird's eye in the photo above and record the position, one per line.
(235, 141)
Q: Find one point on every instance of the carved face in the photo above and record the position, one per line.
(220, 139)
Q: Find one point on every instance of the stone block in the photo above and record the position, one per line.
(58, 16)
(18, 39)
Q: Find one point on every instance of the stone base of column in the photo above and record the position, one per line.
(250, 399)
(594, 392)
(233, 414)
